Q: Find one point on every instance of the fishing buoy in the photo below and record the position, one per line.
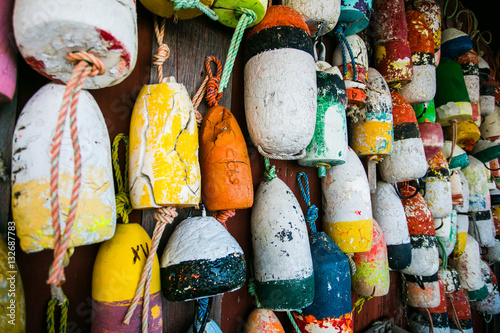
(282, 256)
(201, 259)
(420, 321)
(31, 169)
(263, 321)
(464, 207)
(438, 187)
(356, 13)
(424, 252)
(432, 138)
(425, 111)
(486, 151)
(321, 16)
(491, 304)
(225, 165)
(432, 12)
(467, 134)
(407, 160)
(487, 88)
(347, 212)
(117, 272)
(8, 71)
(446, 233)
(329, 144)
(470, 69)
(211, 327)
(481, 228)
(108, 30)
(468, 266)
(12, 299)
(372, 268)
(490, 127)
(283, 34)
(459, 313)
(493, 252)
(392, 49)
(389, 212)
(163, 164)
(450, 279)
(165, 8)
(462, 233)
(459, 160)
(454, 43)
(457, 193)
(422, 87)
(452, 99)
(428, 296)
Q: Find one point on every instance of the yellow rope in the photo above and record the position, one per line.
(123, 205)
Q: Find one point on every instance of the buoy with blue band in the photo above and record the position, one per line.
(423, 292)
(454, 43)
(389, 212)
(174, 9)
(425, 111)
(347, 211)
(282, 34)
(487, 88)
(321, 16)
(470, 69)
(419, 317)
(263, 321)
(328, 146)
(8, 69)
(491, 304)
(459, 313)
(438, 187)
(356, 13)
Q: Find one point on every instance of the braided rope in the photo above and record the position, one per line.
(63, 323)
(270, 172)
(189, 4)
(50, 315)
(122, 198)
(352, 264)
(360, 302)
(247, 17)
(340, 33)
(223, 215)
(312, 210)
(197, 98)
(51, 309)
(163, 50)
(202, 311)
(88, 65)
(213, 95)
(294, 324)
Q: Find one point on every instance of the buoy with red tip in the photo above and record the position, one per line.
(356, 14)
(454, 43)
(490, 127)
(95, 219)
(423, 292)
(491, 304)
(419, 318)
(487, 88)
(432, 138)
(329, 144)
(347, 212)
(470, 69)
(389, 212)
(8, 69)
(321, 16)
(263, 321)
(432, 12)
(46, 38)
(459, 313)
(282, 34)
(422, 87)
(407, 160)
(424, 252)
(438, 187)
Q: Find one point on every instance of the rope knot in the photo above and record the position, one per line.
(248, 12)
(270, 172)
(212, 96)
(187, 4)
(97, 67)
(166, 215)
(161, 55)
(312, 210)
(223, 215)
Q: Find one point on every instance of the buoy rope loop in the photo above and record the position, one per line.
(340, 33)
(247, 17)
(189, 4)
(201, 313)
(445, 258)
(454, 314)
(197, 98)
(312, 210)
(213, 94)
(294, 324)
(223, 215)
(122, 198)
(452, 14)
(163, 50)
(270, 172)
(487, 167)
(410, 196)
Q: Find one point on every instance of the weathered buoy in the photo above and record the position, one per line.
(454, 43)
(201, 259)
(263, 321)
(165, 8)
(424, 252)
(459, 160)
(356, 13)
(31, 169)
(425, 111)
(464, 207)
(450, 279)
(470, 69)
(422, 86)
(163, 164)
(392, 49)
(46, 36)
(462, 233)
(120, 262)
(347, 212)
(8, 72)
(487, 88)
(225, 166)
(491, 304)
(321, 16)
(486, 151)
(282, 34)
(457, 193)
(427, 297)
(467, 134)
(389, 212)
(438, 187)
(490, 127)
(407, 160)
(282, 256)
(12, 299)
(420, 321)
(446, 233)
(211, 327)
(459, 313)
(432, 138)
(432, 12)
(329, 144)
(452, 99)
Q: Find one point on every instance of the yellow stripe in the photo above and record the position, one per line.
(351, 237)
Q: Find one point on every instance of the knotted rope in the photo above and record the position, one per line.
(213, 94)
(189, 4)
(163, 50)
(312, 211)
(270, 172)
(123, 205)
(340, 33)
(223, 215)
(361, 301)
(88, 65)
(57, 298)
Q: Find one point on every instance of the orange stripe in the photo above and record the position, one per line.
(279, 16)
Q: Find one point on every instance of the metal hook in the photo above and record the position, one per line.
(409, 197)
(318, 44)
(420, 282)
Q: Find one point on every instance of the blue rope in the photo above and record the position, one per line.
(202, 307)
(339, 32)
(312, 210)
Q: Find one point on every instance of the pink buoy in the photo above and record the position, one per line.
(432, 138)
(8, 72)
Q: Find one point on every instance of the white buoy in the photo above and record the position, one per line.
(491, 304)
(490, 126)
(464, 207)
(321, 16)
(462, 233)
(468, 266)
(438, 187)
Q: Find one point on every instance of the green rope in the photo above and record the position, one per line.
(247, 17)
(270, 172)
(445, 258)
(123, 205)
(446, 17)
(188, 4)
(294, 324)
(64, 315)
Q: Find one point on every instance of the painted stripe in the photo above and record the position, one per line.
(422, 58)
(279, 16)
(286, 295)
(478, 295)
(404, 131)
(439, 320)
(469, 68)
(399, 256)
(455, 47)
(426, 279)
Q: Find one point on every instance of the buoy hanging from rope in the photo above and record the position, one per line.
(347, 213)
(180, 9)
(46, 42)
(459, 313)
(407, 160)
(283, 266)
(459, 160)
(389, 212)
(491, 304)
(283, 34)
(432, 138)
(356, 14)
(328, 146)
(230, 12)
(8, 70)
(490, 127)
(263, 321)
(425, 112)
(487, 88)
(320, 16)
(422, 87)
(438, 187)
(470, 69)
(423, 291)
(467, 134)
(454, 43)
(422, 319)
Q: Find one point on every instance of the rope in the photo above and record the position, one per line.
(270, 172)
(88, 65)
(446, 17)
(282, 157)
(455, 315)
(312, 210)
(454, 123)
(404, 296)
(473, 31)
(164, 216)
(352, 264)
(247, 17)
(202, 311)
(189, 4)
(223, 215)
(294, 324)
(123, 205)
(431, 328)
(213, 95)
(252, 285)
(445, 258)
(360, 302)
(163, 50)
(51, 309)
(340, 33)
(198, 97)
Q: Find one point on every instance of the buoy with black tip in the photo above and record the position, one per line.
(486, 151)
(470, 69)
(283, 266)
(407, 160)
(425, 112)
(432, 138)
(454, 43)
(422, 319)
(8, 68)
(321, 16)
(491, 304)
(331, 308)
(356, 13)
(438, 187)
(423, 291)
(459, 313)
(389, 212)
(347, 211)
(487, 88)
(490, 127)
(328, 146)
(459, 160)
(433, 14)
(282, 34)
(263, 321)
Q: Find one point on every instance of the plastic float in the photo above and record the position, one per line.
(320, 16)
(438, 187)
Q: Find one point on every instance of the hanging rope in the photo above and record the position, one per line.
(247, 17)
(57, 298)
(270, 172)
(404, 296)
(123, 205)
(223, 215)
(454, 123)
(213, 94)
(312, 210)
(198, 97)
(87, 65)
(202, 311)
(294, 324)
(431, 328)
(445, 258)
(340, 33)
(360, 302)
(473, 31)
(163, 50)
(455, 315)
(189, 4)
(446, 17)
(252, 283)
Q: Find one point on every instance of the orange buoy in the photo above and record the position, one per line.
(459, 313)
(423, 292)
(263, 321)
(419, 318)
